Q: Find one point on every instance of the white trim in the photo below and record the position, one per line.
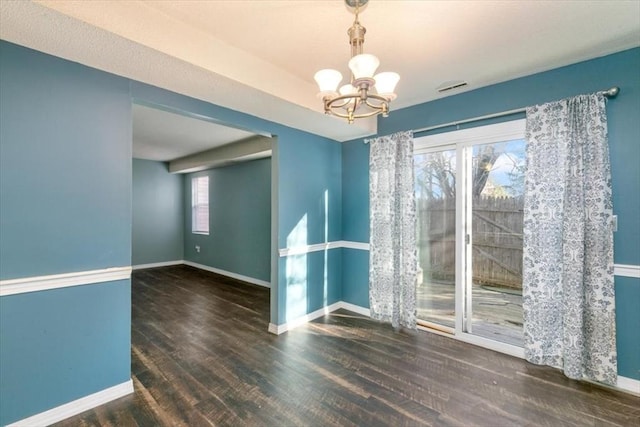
(436, 331)
(623, 270)
(75, 407)
(626, 270)
(355, 308)
(55, 281)
(157, 264)
(279, 329)
(301, 250)
(354, 245)
(229, 274)
(490, 344)
(628, 384)
(504, 131)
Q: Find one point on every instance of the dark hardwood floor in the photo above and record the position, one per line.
(201, 355)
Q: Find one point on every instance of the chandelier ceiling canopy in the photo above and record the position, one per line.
(367, 94)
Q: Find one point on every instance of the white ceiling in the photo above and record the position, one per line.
(259, 57)
(164, 136)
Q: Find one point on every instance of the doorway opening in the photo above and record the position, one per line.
(173, 149)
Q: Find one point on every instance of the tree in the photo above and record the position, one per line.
(435, 177)
(436, 172)
(482, 164)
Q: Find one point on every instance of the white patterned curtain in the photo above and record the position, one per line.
(393, 253)
(568, 290)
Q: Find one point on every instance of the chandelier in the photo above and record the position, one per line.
(367, 94)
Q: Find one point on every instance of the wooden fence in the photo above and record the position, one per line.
(496, 240)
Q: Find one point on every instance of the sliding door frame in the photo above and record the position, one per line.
(463, 141)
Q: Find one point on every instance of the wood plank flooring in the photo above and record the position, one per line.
(201, 356)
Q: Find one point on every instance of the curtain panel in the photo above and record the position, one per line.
(393, 252)
(568, 289)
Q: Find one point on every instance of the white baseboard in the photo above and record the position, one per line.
(229, 274)
(56, 281)
(629, 385)
(279, 329)
(355, 308)
(75, 407)
(157, 264)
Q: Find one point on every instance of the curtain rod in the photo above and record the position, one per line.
(609, 93)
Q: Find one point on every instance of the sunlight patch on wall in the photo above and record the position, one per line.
(297, 272)
(325, 282)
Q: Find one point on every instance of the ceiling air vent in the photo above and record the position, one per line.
(447, 86)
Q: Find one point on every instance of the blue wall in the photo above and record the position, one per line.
(355, 221)
(65, 166)
(239, 239)
(620, 70)
(158, 214)
(65, 206)
(628, 326)
(310, 213)
(61, 345)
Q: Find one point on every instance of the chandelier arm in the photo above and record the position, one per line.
(347, 98)
(355, 96)
(332, 103)
(379, 98)
(332, 109)
(356, 104)
(355, 116)
(339, 114)
(365, 115)
(332, 106)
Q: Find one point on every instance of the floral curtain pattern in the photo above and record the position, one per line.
(568, 290)
(393, 253)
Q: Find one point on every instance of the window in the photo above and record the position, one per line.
(200, 205)
(469, 195)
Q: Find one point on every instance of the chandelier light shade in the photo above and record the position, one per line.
(386, 84)
(363, 65)
(328, 81)
(367, 94)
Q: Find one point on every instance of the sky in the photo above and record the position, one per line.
(504, 170)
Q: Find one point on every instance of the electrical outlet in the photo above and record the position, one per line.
(198, 248)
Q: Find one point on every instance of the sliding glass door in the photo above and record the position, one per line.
(435, 172)
(469, 192)
(496, 203)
